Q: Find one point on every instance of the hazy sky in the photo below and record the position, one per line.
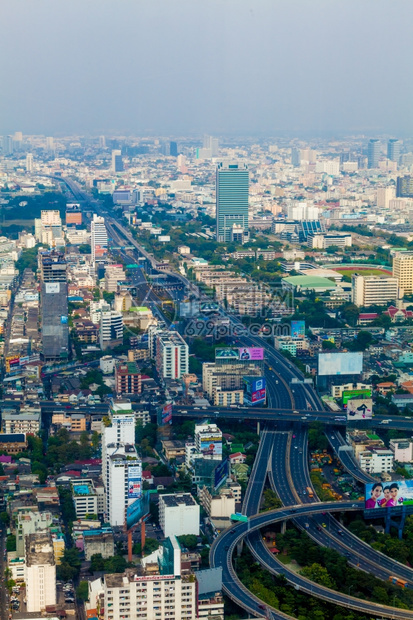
(218, 66)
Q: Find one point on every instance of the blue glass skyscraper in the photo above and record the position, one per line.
(232, 189)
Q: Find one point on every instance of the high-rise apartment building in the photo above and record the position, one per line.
(54, 309)
(117, 161)
(403, 271)
(212, 145)
(404, 187)
(98, 239)
(173, 149)
(40, 572)
(394, 149)
(113, 275)
(128, 379)
(295, 157)
(373, 153)
(154, 593)
(232, 192)
(111, 329)
(102, 142)
(8, 145)
(50, 144)
(372, 290)
(172, 355)
(124, 481)
(384, 195)
(29, 162)
(121, 468)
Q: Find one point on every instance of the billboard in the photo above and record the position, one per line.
(135, 480)
(254, 390)
(52, 287)
(297, 329)
(137, 510)
(227, 354)
(243, 354)
(389, 494)
(340, 363)
(352, 394)
(221, 473)
(12, 363)
(360, 409)
(251, 354)
(167, 414)
(210, 445)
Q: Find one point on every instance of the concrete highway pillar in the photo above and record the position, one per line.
(258, 427)
(283, 527)
(240, 546)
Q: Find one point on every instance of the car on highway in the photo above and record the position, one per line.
(324, 524)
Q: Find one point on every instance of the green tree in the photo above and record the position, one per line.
(319, 574)
(350, 313)
(151, 545)
(189, 540)
(95, 440)
(82, 591)
(11, 543)
(97, 563)
(271, 500)
(4, 518)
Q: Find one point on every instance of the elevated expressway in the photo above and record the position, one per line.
(225, 545)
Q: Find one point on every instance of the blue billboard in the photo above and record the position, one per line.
(254, 390)
(297, 329)
(136, 511)
(135, 480)
(221, 473)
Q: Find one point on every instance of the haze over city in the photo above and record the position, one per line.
(206, 310)
(219, 66)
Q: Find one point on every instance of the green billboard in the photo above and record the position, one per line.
(350, 394)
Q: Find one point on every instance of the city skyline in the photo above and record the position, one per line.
(218, 68)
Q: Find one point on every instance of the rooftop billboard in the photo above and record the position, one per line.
(243, 354)
(297, 329)
(340, 363)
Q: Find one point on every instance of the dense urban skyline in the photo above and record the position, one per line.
(223, 67)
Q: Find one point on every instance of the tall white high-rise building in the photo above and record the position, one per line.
(40, 572)
(50, 144)
(121, 468)
(373, 290)
(123, 481)
(163, 594)
(301, 211)
(117, 164)
(102, 142)
(172, 355)
(384, 195)
(98, 239)
(29, 162)
(111, 329)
